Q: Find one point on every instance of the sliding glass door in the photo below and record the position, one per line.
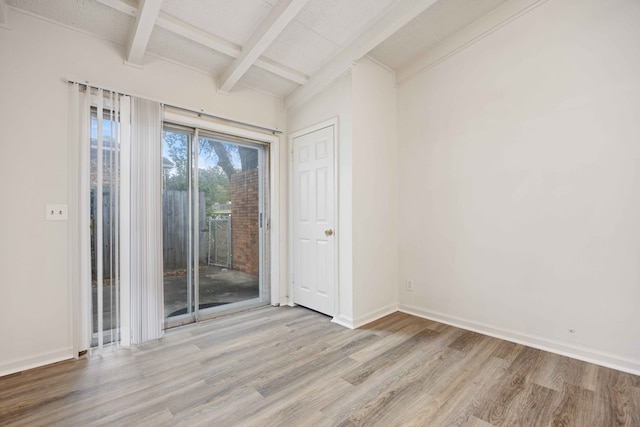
(213, 224)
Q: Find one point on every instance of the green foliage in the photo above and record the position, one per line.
(213, 180)
(215, 185)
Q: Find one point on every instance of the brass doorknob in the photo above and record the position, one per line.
(328, 232)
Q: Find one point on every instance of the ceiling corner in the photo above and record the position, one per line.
(390, 22)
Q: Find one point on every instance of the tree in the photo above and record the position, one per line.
(214, 181)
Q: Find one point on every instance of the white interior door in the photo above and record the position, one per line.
(314, 253)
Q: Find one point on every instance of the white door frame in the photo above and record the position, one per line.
(336, 247)
(272, 220)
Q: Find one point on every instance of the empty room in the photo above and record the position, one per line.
(320, 212)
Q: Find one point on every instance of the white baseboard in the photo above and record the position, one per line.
(14, 366)
(281, 301)
(375, 315)
(345, 321)
(541, 343)
(367, 318)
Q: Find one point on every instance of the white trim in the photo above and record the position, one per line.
(274, 221)
(345, 321)
(360, 321)
(36, 361)
(468, 36)
(535, 341)
(330, 122)
(283, 301)
(400, 14)
(209, 125)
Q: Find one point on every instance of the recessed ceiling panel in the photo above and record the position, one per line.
(177, 48)
(435, 24)
(232, 20)
(89, 16)
(341, 21)
(265, 81)
(300, 48)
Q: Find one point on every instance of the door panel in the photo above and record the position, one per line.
(230, 177)
(314, 283)
(177, 216)
(213, 237)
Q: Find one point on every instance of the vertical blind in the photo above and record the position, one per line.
(117, 234)
(146, 221)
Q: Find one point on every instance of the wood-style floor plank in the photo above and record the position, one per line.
(294, 367)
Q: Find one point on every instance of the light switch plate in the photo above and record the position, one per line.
(56, 212)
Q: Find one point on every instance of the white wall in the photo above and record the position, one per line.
(375, 191)
(519, 183)
(364, 100)
(36, 58)
(336, 101)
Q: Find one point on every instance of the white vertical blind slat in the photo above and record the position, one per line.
(146, 220)
(99, 221)
(84, 216)
(125, 221)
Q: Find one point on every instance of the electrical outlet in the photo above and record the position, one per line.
(409, 285)
(56, 212)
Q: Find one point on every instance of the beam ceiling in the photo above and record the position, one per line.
(278, 18)
(209, 40)
(389, 23)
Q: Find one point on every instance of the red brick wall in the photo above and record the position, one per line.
(244, 221)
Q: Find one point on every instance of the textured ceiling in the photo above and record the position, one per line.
(233, 20)
(169, 45)
(275, 46)
(89, 16)
(429, 28)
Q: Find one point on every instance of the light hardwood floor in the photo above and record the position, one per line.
(293, 367)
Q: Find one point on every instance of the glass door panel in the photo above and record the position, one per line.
(213, 217)
(177, 185)
(229, 179)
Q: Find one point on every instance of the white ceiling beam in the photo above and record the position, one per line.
(218, 44)
(125, 6)
(209, 40)
(276, 21)
(145, 21)
(4, 14)
(197, 35)
(383, 28)
(281, 70)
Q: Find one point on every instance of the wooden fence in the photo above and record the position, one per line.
(175, 226)
(175, 229)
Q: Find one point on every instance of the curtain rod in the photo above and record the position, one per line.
(200, 113)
